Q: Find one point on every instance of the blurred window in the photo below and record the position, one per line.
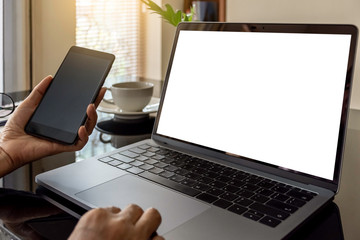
(111, 26)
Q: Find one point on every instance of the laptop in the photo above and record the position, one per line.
(249, 136)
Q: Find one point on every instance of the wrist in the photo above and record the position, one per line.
(6, 163)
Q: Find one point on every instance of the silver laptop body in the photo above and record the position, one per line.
(258, 108)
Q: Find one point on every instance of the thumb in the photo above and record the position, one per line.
(33, 100)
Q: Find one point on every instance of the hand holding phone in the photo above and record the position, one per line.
(75, 85)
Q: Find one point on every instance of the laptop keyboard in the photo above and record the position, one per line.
(260, 199)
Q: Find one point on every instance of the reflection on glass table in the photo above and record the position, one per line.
(29, 216)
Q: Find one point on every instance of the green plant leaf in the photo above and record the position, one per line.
(191, 14)
(177, 18)
(153, 6)
(169, 9)
(168, 14)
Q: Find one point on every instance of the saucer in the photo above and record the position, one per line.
(108, 107)
(120, 127)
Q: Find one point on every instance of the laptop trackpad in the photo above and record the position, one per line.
(175, 208)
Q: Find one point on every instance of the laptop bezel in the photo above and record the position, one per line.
(253, 164)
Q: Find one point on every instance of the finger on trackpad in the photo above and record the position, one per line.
(175, 208)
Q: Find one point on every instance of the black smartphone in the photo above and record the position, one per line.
(75, 85)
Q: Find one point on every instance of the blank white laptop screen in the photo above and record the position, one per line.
(271, 97)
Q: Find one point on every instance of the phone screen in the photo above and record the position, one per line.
(76, 84)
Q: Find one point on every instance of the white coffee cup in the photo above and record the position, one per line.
(132, 96)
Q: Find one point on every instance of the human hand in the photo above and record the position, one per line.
(132, 223)
(19, 148)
